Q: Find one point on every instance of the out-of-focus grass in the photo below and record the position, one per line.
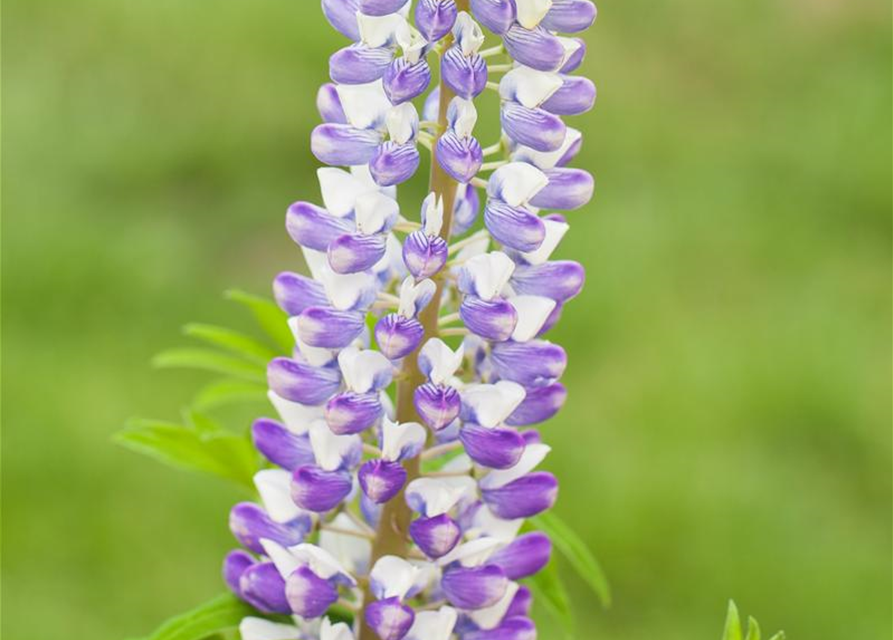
(728, 429)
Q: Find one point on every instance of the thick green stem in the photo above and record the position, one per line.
(392, 536)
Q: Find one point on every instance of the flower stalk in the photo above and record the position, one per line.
(437, 555)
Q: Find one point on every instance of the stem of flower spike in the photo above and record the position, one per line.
(392, 536)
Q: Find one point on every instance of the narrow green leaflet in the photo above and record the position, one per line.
(579, 556)
(733, 630)
(210, 360)
(216, 452)
(271, 318)
(217, 616)
(228, 391)
(239, 343)
(549, 591)
(733, 623)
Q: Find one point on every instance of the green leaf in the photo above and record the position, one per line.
(217, 616)
(271, 318)
(579, 556)
(228, 391)
(753, 629)
(238, 343)
(733, 623)
(548, 590)
(779, 636)
(209, 360)
(219, 453)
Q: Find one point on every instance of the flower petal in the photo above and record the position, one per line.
(381, 480)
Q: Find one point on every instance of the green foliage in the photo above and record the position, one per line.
(578, 555)
(238, 343)
(203, 447)
(549, 590)
(734, 631)
(217, 616)
(271, 318)
(203, 444)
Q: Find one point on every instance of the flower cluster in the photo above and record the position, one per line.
(403, 464)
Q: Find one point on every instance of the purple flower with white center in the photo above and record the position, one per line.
(442, 473)
(457, 151)
(464, 70)
(424, 251)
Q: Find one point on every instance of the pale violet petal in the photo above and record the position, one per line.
(489, 272)
(285, 561)
(516, 183)
(320, 561)
(493, 403)
(274, 487)
(529, 87)
(531, 12)
(353, 551)
(375, 210)
(533, 311)
(378, 31)
(468, 34)
(486, 524)
(433, 625)
(463, 116)
(473, 553)
(363, 369)
(340, 190)
(345, 290)
(315, 356)
(441, 361)
(412, 292)
(296, 417)
(261, 629)
(317, 263)
(432, 214)
(392, 577)
(534, 453)
(548, 159)
(555, 231)
(570, 45)
(365, 105)
(439, 495)
(335, 631)
(411, 41)
(403, 122)
(491, 616)
(330, 449)
(400, 437)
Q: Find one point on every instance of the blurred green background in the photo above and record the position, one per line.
(728, 428)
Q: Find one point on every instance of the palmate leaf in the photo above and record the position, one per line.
(206, 449)
(234, 341)
(210, 360)
(271, 318)
(217, 616)
(733, 629)
(228, 391)
(549, 590)
(579, 556)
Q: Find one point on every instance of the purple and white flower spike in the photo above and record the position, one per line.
(402, 445)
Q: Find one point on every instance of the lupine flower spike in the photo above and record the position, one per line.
(403, 462)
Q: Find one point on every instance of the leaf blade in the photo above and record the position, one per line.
(270, 317)
(218, 615)
(231, 340)
(222, 454)
(228, 391)
(579, 557)
(209, 360)
(732, 629)
(548, 590)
